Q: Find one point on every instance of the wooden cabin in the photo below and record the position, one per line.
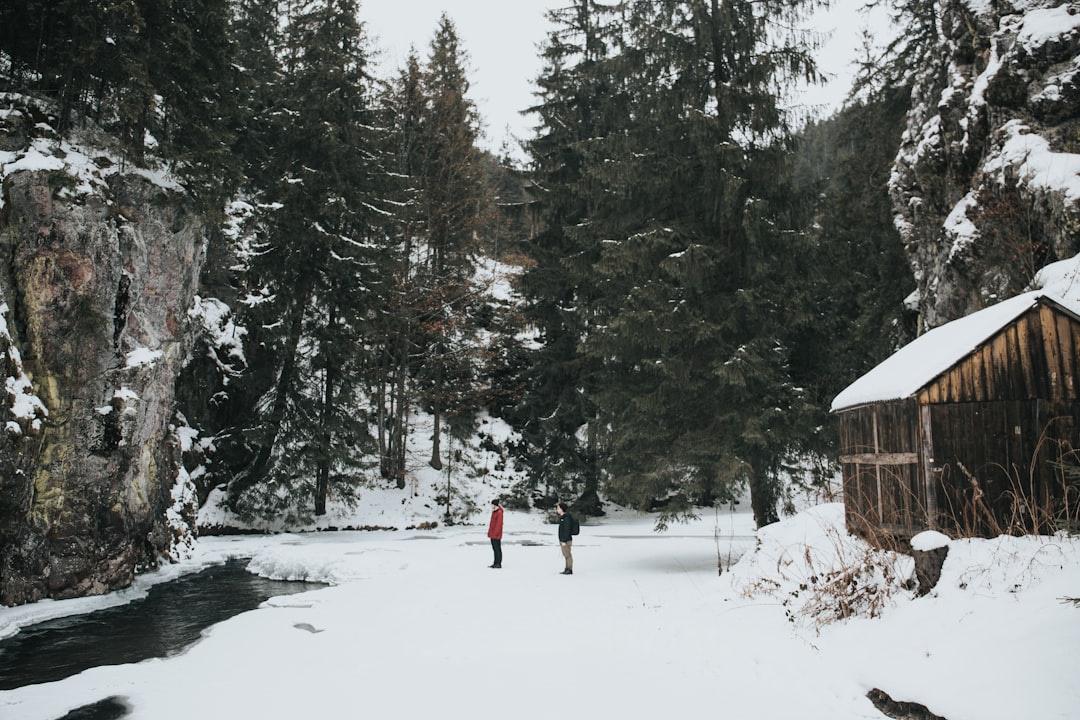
(969, 428)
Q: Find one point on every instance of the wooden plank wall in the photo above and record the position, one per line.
(1037, 356)
(880, 464)
(1061, 338)
(997, 465)
(999, 420)
(982, 452)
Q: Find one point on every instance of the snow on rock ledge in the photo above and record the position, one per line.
(986, 184)
(100, 262)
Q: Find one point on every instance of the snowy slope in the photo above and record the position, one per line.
(415, 625)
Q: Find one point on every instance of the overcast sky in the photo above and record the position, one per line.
(502, 37)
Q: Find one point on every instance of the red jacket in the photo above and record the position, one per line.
(495, 526)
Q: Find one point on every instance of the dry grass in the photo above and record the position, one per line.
(1040, 497)
(836, 577)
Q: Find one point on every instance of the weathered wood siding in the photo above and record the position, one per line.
(975, 452)
(995, 462)
(1035, 357)
(880, 446)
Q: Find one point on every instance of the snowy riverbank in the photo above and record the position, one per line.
(416, 625)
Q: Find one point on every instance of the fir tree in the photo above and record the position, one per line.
(454, 202)
(396, 348)
(318, 268)
(698, 261)
(575, 102)
(692, 391)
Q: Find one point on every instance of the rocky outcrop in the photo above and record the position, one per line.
(900, 710)
(99, 269)
(986, 185)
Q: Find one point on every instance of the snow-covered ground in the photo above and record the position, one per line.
(416, 625)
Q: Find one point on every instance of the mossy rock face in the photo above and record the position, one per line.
(977, 221)
(84, 489)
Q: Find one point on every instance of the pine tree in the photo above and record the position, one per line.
(700, 314)
(318, 269)
(576, 105)
(693, 391)
(395, 350)
(454, 201)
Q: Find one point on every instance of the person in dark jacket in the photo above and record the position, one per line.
(566, 538)
(495, 529)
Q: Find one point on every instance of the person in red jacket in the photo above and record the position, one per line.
(495, 532)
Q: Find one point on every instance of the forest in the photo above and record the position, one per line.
(699, 269)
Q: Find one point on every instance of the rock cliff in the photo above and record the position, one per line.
(986, 185)
(100, 265)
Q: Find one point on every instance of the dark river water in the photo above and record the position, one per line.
(167, 621)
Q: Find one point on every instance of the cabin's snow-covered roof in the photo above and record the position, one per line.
(915, 365)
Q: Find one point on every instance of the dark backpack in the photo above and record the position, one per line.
(575, 526)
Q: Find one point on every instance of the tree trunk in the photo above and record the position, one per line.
(436, 442)
(394, 383)
(588, 503)
(762, 497)
(382, 420)
(322, 479)
(257, 471)
(393, 431)
(400, 429)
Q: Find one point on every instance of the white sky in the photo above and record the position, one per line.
(502, 37)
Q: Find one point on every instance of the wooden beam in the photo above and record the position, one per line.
(877, 473)
(901, 458)
(929, 479)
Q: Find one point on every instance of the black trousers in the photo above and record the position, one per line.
(496, 545)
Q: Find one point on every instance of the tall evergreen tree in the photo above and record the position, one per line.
(395, 349)
(679, 193)
(704, 401)
(317, 269)
(576, 105)
(454, 199)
